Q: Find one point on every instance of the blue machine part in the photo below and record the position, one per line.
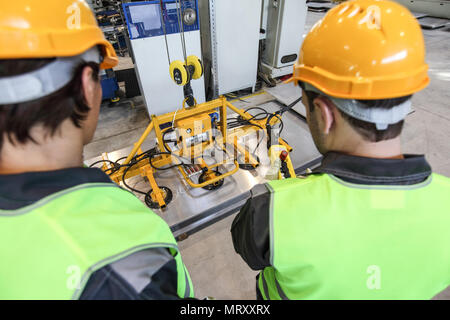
(214, 117)
(121, 42)
(109, 85)
(144, 18)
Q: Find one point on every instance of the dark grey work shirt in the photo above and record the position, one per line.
(250, 228)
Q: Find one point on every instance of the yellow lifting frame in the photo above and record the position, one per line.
(145, 169)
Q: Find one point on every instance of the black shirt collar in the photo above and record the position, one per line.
(412, 169)
(20, 190)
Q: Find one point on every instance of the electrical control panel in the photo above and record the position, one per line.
(195, 131)
(144, 19)
(155, 42)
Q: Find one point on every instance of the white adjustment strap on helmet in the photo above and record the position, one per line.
(44, 81)
(381, 117)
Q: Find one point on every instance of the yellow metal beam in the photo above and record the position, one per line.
(249, 96)
(285, 144)
(138, 144)
(290, 166)
(156, 191)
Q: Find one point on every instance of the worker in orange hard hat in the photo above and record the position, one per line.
(370, 222)
(68, 232)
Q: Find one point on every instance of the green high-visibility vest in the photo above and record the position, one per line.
(330, 239)
(49, 249)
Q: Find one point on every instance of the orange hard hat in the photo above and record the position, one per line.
(364, 49)
(51, 28)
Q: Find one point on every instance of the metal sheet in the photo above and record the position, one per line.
(284, 92)
(434, 8)
(321, 5)
(419, 15)
(194, 208)
(433, 23)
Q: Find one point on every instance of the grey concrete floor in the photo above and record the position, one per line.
(215, 268)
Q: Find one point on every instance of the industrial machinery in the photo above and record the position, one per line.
(162, 32)
(110, 87)
(196, 133)
(278, 151)
(230, 37)
(194, 127)
(116, 35)
(282, 27)
(94, 4)
(197, 162)
(110, 19)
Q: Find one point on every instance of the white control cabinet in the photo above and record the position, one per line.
(284, 35)
(230, 40)
(145, 26)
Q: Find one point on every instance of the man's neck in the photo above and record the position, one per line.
(62, 150)
(387, 149)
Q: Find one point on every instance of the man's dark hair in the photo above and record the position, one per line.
(16, 120)
(368, 130)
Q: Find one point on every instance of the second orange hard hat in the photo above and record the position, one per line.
(364, 49)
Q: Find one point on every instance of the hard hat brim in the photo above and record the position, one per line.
(110, 59)
(291, 79)
(57, 44)
(363, 88)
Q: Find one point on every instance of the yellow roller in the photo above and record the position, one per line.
(197, 64)
(178, 73)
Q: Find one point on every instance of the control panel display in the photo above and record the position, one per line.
(144, 19)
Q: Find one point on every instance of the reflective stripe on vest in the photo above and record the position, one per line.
(264, 288)
(335, 240)
(50, 248)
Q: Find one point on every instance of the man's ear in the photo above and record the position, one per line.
(89, 85)
(325, 108)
